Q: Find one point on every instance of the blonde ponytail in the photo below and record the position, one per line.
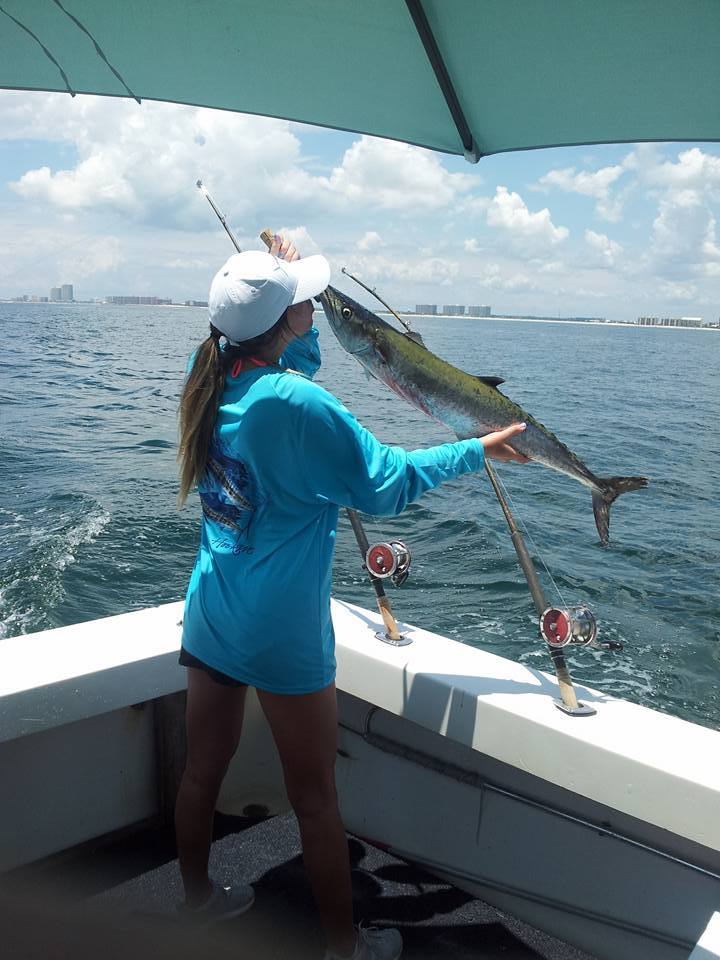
(201, 397)
(198, 410)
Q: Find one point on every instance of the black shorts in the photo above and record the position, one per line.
(188, 660)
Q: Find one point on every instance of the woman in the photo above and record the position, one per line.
(273, 455)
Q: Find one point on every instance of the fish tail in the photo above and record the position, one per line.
(603, 498)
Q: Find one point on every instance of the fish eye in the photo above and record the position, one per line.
(346, 312)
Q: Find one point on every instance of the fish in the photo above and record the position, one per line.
(471, 406)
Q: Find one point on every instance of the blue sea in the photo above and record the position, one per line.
(89, 525)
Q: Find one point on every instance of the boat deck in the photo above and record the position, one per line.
(118, 900)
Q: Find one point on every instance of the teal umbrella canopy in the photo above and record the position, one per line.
(470, 77)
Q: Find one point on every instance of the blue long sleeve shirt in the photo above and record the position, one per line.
(286, 454)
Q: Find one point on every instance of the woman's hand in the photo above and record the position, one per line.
(299, 316)
(284, 249)
(497, 447)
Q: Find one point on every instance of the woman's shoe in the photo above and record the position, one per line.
(374, 943)
(222, 904)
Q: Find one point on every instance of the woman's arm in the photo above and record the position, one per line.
(344, 463)
(303, 352)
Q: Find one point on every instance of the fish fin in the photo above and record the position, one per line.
(603, 499)
(415, 337)
(491, 381)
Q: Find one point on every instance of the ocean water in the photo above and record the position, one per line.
(89, 526)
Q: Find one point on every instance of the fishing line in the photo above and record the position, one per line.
(539, 555)
(409, 332)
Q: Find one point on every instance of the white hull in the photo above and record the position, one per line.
(602, 830)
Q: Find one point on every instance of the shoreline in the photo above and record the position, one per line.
(578, 323)
(97, 303)
(382, 313)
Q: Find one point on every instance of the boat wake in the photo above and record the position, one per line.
(31, 585)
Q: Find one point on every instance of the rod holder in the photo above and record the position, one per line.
(392, 635)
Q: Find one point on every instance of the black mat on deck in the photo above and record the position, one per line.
(135, 919)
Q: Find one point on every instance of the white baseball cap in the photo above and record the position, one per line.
(252, 290)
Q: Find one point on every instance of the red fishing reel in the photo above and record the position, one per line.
(389, 559)
(559, 627)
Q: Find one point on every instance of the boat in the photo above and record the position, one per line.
(598, 826)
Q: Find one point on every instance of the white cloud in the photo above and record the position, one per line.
(51, 117)
(694, 170)
(495, 277)
(395, 176)
(104, 255)
(683, 243)
(642, 158)
(370, 241)
(142, 161)
(607, 251)
(591, 184)
(710, 246)
(553, 267)
(35, 257)
(595, 184)
(188, 263)
(679, 292)
(94, 182)
(300, 236)
(531, 233)
(120, 214)
(426, 270)
(680, 228)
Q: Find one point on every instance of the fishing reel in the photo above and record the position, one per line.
(389, 559)
(573, 625)
(560, 627)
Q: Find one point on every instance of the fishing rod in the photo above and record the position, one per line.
(381, 560)
(557, 626)
(551, 618)
(221, 218)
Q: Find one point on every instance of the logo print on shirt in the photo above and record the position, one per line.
(228, 495)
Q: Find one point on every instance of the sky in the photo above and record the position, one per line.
(100, 192)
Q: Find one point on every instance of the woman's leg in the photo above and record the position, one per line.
(214, 718)
(305, 731)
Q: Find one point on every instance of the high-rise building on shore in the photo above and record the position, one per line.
(480, 311)
(56, 293)
(66, 293)
(145, 301)
(454, 309)
(669, 321)
(426, 309)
